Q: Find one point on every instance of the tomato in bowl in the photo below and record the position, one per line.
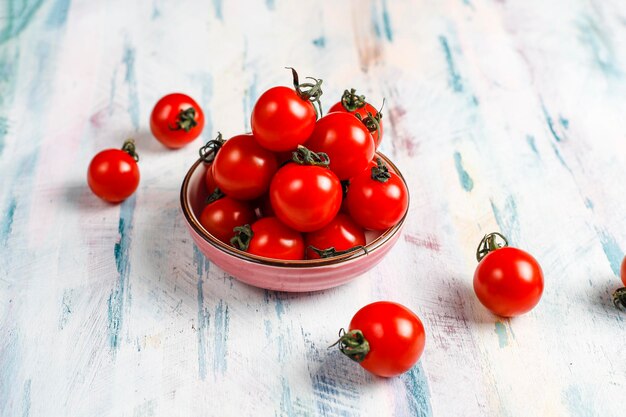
(276, 274)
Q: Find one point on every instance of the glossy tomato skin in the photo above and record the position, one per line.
(164, 118)
(377, 205)
(209, 179)
(273, 239)
(281, 120)
(242, 169)
(376, 135)
(305, 198)
(342, 233)
(623, 271)
(221, 216)
(508, 281)
(113, 175)
(395, 334)
(346, 141)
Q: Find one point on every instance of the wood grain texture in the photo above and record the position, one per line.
(502, 115)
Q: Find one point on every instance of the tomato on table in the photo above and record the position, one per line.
(306, 195)
(377, 198)
(346, 141)
(364, 111)
(508, 281)
(340, 235)
(243, 169)
(284, 118)
(223, 214)
(270, 238)
(113, 174)
(385, 338)
(176, 120)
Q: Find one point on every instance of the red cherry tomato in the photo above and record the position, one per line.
(243, 169)
(283, 118)
(341, 234)
(346, 141)
(209, 179)
(367, 113)
(176, 120)
(377, 198)
(305, 197)
(113, 174)
(508, 281)
(270, 238)
(623, 271)
(619, 296)
(386, 338)
(221, 216)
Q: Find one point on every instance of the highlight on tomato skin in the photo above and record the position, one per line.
(270, 238)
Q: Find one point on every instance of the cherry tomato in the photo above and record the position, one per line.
(508, 281)
(283, 118)
(364, 111)
(623, 271)
(305, 197)
(176, 120)
(113, 174)
(243, 169)
(209, 179)
(221, 216)
(386, 338)
(377, 198)
(346, 141)
(270, 238)
(341, 234)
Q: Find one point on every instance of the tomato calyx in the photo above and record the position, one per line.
(353, 344)
(210, 149)
(215, 195)
(186, 120)
(489, 244)
(304, 156)
(372, 121)
(308, 91)
(619, 298)
(129, 148)
(242, 238)
(331, 252)
(351, 101)
(380, 172)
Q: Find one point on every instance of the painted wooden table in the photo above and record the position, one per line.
(503, 116)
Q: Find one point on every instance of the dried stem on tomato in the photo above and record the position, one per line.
(309, 91)
(353, 344)
(129, 148)
(489, 244)
(210, 149)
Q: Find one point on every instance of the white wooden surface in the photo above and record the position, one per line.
(502, 115)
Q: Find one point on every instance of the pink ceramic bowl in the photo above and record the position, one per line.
(274, 274)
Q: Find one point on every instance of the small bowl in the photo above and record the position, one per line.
(276, 274)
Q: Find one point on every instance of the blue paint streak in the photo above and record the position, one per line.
(320, 42)
(120, 295)
(455, 80)
(564, 122)
(270, 4)
(503, 338)
(558, 155)
(249, 98)
(4, 129)
(589, 204)
(131, 81)
(66, 308)
(58, 14)
(578, 406)
(464, 177)
(156, 13)
(387, 22)
(6, 225)
(202, 267)
(26, 399)
(217, 6)
(507, 218)
(533, 145)
(550, 123)
(601, 48)
(417, 392)
(19, 15)
(222, 319)
(611, 251)
(286, 405)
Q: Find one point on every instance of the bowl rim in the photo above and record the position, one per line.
(305, 263)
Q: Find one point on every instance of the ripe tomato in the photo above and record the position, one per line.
(346, 141)
(243, 169)
(221, 216)
(270, 238)
(176, 120)
(364, 111)
(305, 197)
(283, 118)
(377, 198)
(341, 234)
(386, 338)
(113, 174)
(508, 281)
